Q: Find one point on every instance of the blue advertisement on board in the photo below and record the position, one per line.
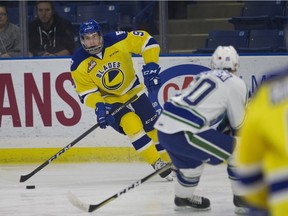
(174, 79)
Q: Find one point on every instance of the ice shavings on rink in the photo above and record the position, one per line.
(94, 182)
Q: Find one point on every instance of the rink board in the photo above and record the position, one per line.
(40, 155)
(40, 112)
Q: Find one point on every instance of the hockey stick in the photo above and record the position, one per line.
(24, 178)
(92, 207)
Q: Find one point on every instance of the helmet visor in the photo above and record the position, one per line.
(92, 42)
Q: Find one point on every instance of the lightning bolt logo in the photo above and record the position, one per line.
(113, 79)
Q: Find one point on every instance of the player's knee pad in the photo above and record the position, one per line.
(131, 124)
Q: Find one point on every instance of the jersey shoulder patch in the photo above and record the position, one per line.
(79, 56)
(114, 37)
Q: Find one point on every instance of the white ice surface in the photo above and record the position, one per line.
(95, 182)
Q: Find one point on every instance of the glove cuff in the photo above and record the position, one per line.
(100, 104)
(100, 107)
(151, 66)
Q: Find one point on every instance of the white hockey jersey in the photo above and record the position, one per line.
(208, 99)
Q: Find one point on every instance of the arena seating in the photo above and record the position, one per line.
(67, 12)
(265, 40)
(237, 38)
(107, 15)
(258, 15)
(262, 26)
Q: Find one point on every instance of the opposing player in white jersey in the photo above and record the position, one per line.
(191, 126)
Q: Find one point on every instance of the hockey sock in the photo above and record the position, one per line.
(145, 147)
(187, 181)
(163, 153)
(143, 144)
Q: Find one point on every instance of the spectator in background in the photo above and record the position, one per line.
(50, 34)
(10, 38)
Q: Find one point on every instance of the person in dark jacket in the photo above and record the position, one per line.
(10, 38)
(50, 34)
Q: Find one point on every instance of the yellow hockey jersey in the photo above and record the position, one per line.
(262, 153)
(111, 77)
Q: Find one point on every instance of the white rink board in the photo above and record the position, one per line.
(47, 80)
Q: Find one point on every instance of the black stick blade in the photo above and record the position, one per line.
(23, 178)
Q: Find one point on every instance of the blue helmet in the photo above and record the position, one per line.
(91, 27)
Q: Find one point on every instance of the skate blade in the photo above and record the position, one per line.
(241, 211)
(189, 209)
(169, 178)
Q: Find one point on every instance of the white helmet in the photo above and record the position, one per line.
(225, 57)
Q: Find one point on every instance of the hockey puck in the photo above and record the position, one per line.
(30, 187)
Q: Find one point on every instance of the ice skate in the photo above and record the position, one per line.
(196, 203)
(240, 207)
(166, 174)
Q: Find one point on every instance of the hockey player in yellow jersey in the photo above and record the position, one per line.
(262, 154)
(104, 78)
